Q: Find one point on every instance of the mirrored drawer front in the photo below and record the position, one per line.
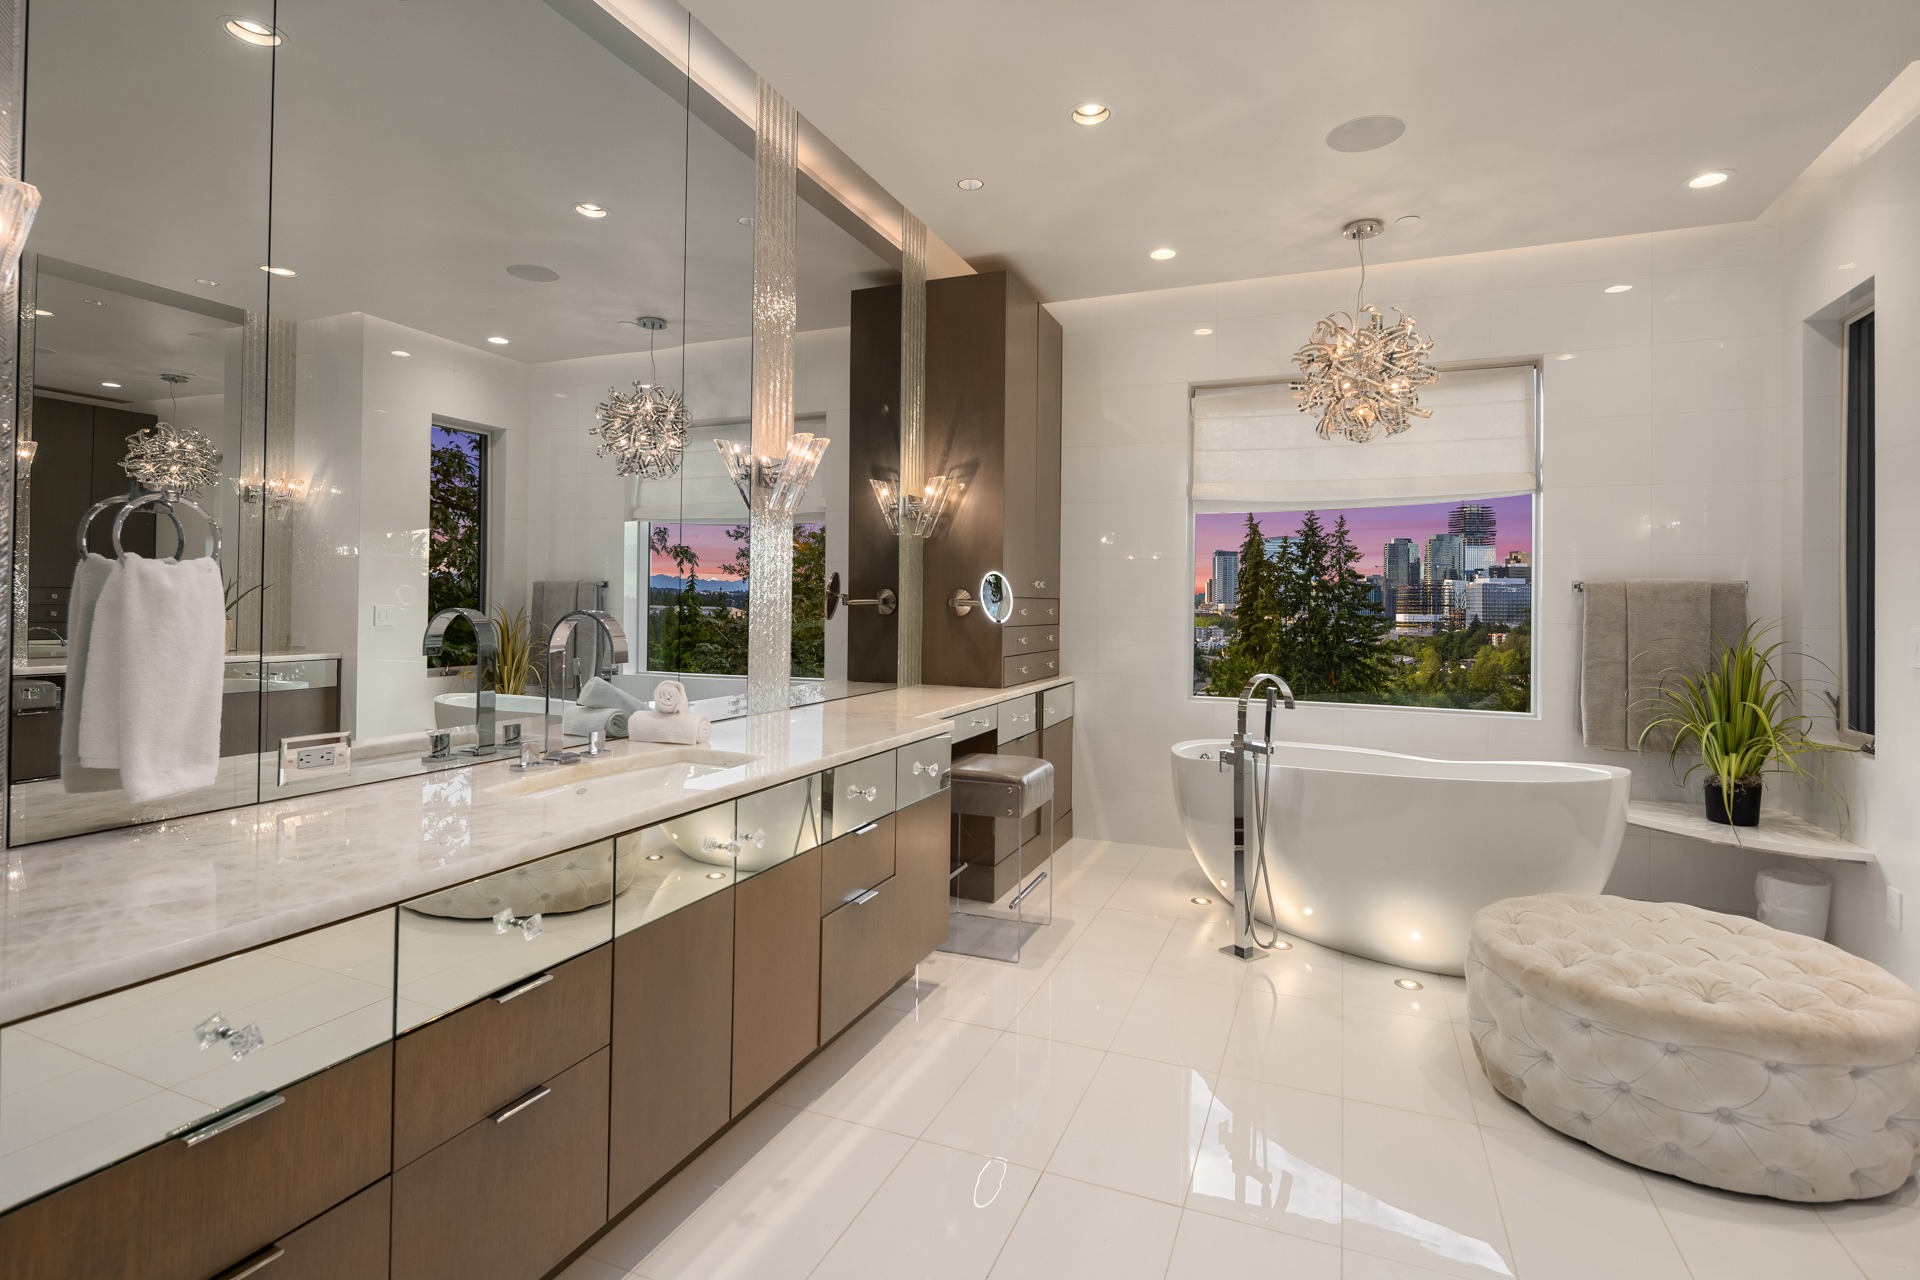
(483, 936)
(862, 792)
(779, 823)
(676, 863)
(88, 1085)
(921, 769)
(1034, 612)
(1019, 717)
(1028, 640)
(319, 673)
(1023, 667)
(981, 720)
(1056, 704)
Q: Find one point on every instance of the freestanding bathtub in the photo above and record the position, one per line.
(1388, 856)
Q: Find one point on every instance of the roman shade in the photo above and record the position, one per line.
(1253, 450)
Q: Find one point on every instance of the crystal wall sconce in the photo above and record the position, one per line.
(908, 514)
(278, 495)
(774, 485)
(24, 452)
(19, 201)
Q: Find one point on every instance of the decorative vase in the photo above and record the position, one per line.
(1745, 811)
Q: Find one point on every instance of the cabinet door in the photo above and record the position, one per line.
(1022, 478)
(859, 953)
(776, 974)
(511, 1196)
(1056, 745)
(348, 1242)
(216, 1196)
(923, 857)
(1046, 467)
(672, 1042)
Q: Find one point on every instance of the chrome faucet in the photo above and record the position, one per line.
(555, 752)
(1278, 692)
(486, 640)
(1240, 756)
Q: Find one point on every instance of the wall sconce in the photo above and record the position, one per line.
(19, 201)
(778, 483)
(23, 452)
(908, 514)
(279, 495)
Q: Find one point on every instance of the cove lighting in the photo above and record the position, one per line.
(1711, 178)
(1091, 113)
(253, 31)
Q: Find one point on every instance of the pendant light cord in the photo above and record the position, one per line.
(1360, 294)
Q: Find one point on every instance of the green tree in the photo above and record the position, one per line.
(810, 600)
(1257, 620)
(1355, 657)
(453, 537)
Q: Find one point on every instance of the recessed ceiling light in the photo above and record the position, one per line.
(588, 209)
(1201, 333)
(1711, 178)
(1306, 911)
(1407, 220)
(1408, 984)
(1161, 255)
(114, 385)
(1091, 113)
(272, 270)
(970, 184)
(1618, 288)
(211, 284)
(716, 875)
(497, 340)
(40, 312)
(1368, 133)
(559, 395)
(1848, 266)
(1201, 902)
(253, 31)
(654, 857)
(1566, 355)
(402, 354)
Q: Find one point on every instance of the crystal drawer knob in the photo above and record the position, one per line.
(931, 768)
(240, 1040)
(530, 927)
(868, 794)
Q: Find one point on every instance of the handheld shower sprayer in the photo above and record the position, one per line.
(1241, 755)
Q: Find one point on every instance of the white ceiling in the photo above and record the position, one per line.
(1527, 122)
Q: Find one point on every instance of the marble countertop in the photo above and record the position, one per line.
(1778, 832)
(58, 666)
(91, 914)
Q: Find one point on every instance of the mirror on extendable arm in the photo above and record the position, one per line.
(995, 600)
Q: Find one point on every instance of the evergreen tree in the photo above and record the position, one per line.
(1257, 619)
(1356, 656)
(1307, 604)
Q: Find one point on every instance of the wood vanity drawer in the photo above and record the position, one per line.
(511, 1196)
(1034, 612)
(215, 1197)
(348, 1242)
(1022, 667)
(1018, 717)
(970, 724)
(862, 792)
(1028, 640)
(1056, 704)
(460, 1068)
(859, 956)
(855, 863)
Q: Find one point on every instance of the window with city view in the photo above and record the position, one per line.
(1420, 605)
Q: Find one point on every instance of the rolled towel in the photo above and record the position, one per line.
(684, 729)
(669, 697)
(600, 692)
(578, 722)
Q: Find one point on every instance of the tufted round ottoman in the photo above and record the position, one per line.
(1707, 1046)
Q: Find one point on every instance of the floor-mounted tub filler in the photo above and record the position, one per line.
(1388, 856)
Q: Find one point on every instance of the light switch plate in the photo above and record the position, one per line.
(1896, 909)
(1913, 649)
(383, 616)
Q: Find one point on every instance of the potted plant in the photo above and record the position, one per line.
(513, 657)
(1739, 715)
(235, 598)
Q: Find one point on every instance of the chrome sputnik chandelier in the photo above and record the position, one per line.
(1360, 374)
(176, 461)
(643, 430)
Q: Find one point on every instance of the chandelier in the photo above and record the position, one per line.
(644, 430)
(171, 460)
(1363, 376)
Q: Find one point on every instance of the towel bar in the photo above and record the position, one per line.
(1581, 586)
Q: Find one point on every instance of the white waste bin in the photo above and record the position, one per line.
(1795, 900)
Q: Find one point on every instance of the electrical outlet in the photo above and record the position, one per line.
(315, 758)
(383, 615)
(1913, 649)
(315, 755)
(1896, 909)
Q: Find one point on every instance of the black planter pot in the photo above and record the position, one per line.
(1745, 811)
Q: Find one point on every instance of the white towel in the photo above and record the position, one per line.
(669, 697)
(602, 694)
(90, 577)
(683, 729)
(156, 677)
(579, 722)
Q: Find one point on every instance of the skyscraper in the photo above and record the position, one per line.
(1446, 558)
(1473, 523)
(1400, 562)
(1226, 578)
(1277, 548)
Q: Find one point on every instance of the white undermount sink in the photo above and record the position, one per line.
(671, 768)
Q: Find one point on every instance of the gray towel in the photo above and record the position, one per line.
(1639, 635)
(1603, 666)
(601, 693)
(578, 721)
(89, 576)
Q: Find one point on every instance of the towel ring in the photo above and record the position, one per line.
(94, 512)
(167, 505)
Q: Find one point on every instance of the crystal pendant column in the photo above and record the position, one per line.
(913, 438)
(770, 533)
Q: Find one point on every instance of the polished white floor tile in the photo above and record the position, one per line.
(1121, 940)
(1156, 890)
(1370, 984)
(1572, 1214)
(1491, 1108)
(1307, 971)
(1366, 1266)
(1418, 1190)
(1137, 1128)
(1018, 1101)
(1091, 887)
(1285, 1040)
(892, 1070)
(1728, 1237)
(1399, 1060)
(1192, 951)
(941, 1214)
(1178, 1020)
(1072, 1229)
(1081, 1004)
(1270, 1156)
(1210, 1248)
(1881, 1235)
(986, 993)
(930, 976)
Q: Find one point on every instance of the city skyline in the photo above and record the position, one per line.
(1371, 528)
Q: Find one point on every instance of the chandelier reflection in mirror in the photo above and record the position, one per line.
(906, 513)
(777, 484)
(644, 430)
(171, 460)
(1363, 376)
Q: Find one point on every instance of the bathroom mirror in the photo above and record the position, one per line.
(996, 596)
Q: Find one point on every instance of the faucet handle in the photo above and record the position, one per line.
(596, 743)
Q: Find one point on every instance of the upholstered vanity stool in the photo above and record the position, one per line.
(1009, 788)
(1706, 1046)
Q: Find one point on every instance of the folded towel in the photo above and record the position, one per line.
(602, 693)
(1603, 667)
(173, 668)
(98, 741)
(578, 721)
(89, 578)
(669, 697)
(684, 728)
(1637, 636)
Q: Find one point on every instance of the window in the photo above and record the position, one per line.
(697, 597)
(1398, 572)
(456, 534)
(1857, 654)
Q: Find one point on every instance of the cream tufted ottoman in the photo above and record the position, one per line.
(1702, 1045)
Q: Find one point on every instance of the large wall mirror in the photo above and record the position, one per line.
(377, 266)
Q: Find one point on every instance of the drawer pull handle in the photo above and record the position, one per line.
(232, 1120)
(866, 897)
(868, 794)
(1026, 639)
(523, 1104)
(931, 768)
(241, 1040)
(530, 927)
(1023, 671)
(1039, 585)
(979, 722)
(1023, 716)
(529, 985)
(869, 829)
(253, 1266)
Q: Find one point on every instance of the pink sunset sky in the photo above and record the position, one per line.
(1371, 528)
